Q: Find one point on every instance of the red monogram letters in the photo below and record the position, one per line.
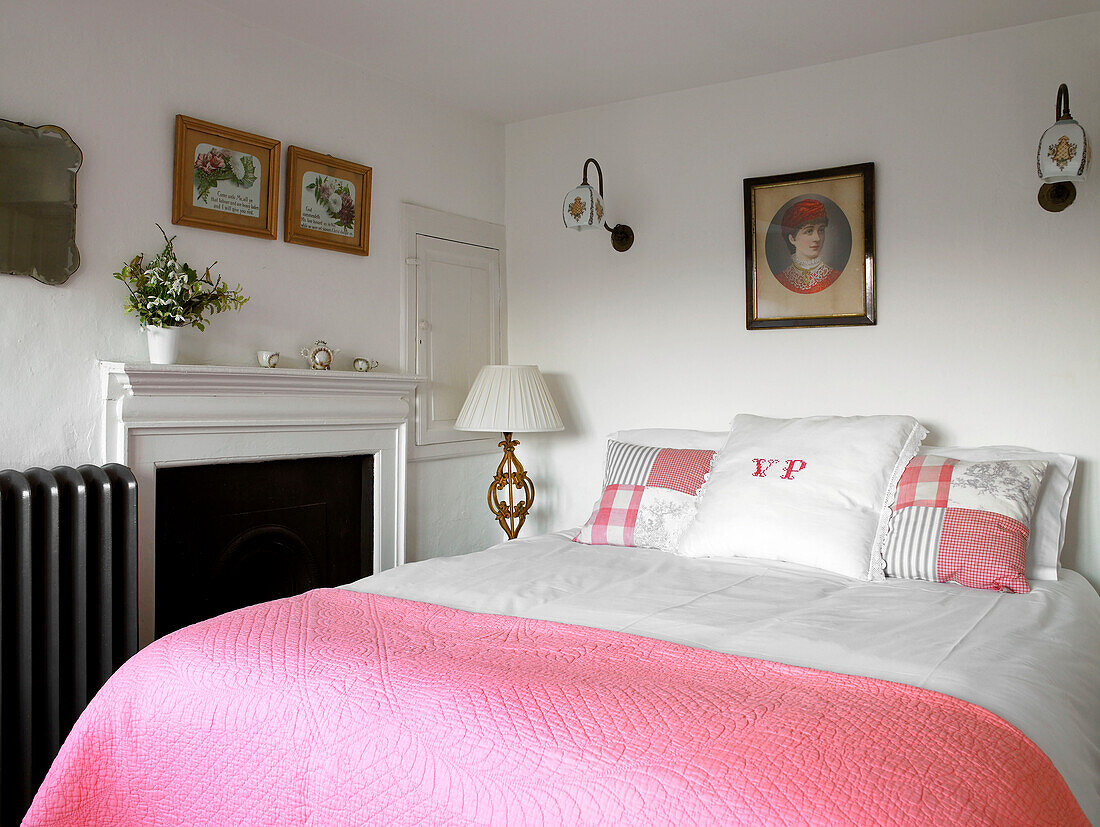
(761, 468)
(792, 467)
(790, 471)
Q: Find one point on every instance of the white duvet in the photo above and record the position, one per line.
(1032, 659)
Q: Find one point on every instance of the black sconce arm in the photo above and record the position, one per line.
(584, 181)
(1061, 110)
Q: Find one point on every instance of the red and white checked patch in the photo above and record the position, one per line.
(982, 550)
(925, 482)
(616, 514)
(680, 469)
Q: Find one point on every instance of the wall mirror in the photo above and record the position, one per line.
(38, 202)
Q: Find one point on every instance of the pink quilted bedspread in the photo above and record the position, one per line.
(342, 708)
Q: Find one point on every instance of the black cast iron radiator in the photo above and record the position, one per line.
(68, 609)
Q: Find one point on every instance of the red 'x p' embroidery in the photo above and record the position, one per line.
(792, 467)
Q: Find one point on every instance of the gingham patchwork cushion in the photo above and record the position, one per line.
(648, 497)
(963, 522)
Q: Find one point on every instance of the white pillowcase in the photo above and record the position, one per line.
(814, 491)
(673, 438)
(1048, 522)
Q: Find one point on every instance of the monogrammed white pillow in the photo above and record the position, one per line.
(814, 491)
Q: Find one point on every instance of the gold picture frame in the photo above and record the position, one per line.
(225, 179)
(810, 248)
(327, 202)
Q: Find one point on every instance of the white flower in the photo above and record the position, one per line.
(335, 202)
(237, 166)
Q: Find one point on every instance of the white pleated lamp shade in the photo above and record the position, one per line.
(509, 399)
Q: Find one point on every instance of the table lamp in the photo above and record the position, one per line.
(509, 398)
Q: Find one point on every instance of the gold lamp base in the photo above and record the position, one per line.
(510, 475)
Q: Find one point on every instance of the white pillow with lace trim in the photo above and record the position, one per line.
(815, 491)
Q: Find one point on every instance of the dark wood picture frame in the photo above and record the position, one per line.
(311, 180)
(840, 290)
(217, 166)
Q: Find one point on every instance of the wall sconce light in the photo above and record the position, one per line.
(1063, 157)
(584, 209)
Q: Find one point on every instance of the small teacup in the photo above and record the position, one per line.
(362, 364)
(267, 358)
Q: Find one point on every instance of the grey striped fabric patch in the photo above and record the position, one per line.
(628, 464)
(913, 543)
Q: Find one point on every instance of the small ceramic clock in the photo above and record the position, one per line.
(319, 354)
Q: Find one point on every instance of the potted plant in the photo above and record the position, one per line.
(167, 294)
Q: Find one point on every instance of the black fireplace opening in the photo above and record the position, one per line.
(235, 534)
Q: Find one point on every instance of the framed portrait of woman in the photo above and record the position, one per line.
(810, 248)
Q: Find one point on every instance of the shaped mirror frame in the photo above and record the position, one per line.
(38, 167)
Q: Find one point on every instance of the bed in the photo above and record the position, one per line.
(1032, 660)
(548, 681)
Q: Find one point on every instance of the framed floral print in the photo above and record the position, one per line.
(327, 202)
(810, 248)
(225, 179)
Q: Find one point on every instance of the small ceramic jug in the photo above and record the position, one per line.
(267, 358)
(319, 355)
(363, 364)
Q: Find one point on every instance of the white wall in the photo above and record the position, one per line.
(114, 74)
(987, 304)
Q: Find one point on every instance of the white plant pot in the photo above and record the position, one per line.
(164, 344)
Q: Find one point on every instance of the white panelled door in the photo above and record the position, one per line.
(458, 329)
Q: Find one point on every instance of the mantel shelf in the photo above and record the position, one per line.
(143, 379)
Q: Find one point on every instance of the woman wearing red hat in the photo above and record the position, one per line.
(803, 229)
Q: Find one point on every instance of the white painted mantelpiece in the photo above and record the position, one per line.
(158, 416)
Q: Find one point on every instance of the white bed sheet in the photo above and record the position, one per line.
(1032, 659)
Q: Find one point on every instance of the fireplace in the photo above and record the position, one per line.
(235, 534)
(158, 418)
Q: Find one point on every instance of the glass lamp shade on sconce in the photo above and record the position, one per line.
(583, 208)
(1062, 159)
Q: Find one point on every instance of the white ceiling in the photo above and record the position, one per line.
(516, 59)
